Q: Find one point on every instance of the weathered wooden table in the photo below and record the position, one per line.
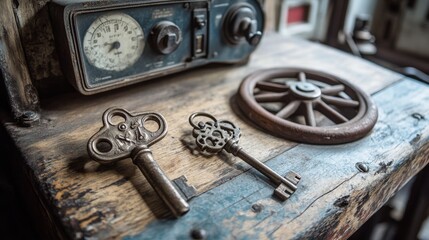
(85, 200)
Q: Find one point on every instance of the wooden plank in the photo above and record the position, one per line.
(333, 198)
(22, 95)
(38, 42)
(113, 201)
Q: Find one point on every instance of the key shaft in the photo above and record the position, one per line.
(237, 151)
(143, 159)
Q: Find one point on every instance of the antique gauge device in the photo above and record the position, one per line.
(109, 44)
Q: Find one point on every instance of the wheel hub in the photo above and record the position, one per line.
(305, 90)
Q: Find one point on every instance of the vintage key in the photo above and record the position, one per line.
(213, 136)
(132, 138)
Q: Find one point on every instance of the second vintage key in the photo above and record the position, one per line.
(124, 135)
(214, 136)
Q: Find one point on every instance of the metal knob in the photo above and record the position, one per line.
(166, 37)
(241, 23)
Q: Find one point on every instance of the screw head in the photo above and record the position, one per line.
(29, 118)
(362, 167)
(198, 233)
(257, 207)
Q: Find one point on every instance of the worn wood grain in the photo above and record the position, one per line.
(333, 198)
(90, 200)
(38, 42)
(13, 67)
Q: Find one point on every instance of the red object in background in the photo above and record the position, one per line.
(298, 14)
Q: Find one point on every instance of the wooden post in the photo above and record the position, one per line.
(23, 97)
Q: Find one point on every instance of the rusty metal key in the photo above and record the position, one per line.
(214, 136)
(124, 135)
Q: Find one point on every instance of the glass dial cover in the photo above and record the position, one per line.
(113, 42)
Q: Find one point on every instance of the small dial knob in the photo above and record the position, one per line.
(241, 23)
(166, 37)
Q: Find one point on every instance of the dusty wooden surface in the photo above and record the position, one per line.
(333, 199)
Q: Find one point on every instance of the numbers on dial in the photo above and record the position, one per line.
(114, 42)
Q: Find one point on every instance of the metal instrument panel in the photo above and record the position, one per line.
(109, 44)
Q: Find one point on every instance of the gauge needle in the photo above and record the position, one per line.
(115, 45)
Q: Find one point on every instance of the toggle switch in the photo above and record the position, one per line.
(200, 33)
(200, 21)
(199, 44)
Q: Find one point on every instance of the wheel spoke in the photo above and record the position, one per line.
(271, 87)
(302, 77)
(340, 101)
(331, 113)
(270, 97)
(310, 120)
(288, 110)
(333, 90)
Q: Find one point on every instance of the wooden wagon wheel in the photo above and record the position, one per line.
(307, 106)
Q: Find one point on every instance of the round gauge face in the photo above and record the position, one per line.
(113, 42)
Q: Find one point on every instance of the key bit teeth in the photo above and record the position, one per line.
(293, 177)
(283, 192)
(188, 191)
